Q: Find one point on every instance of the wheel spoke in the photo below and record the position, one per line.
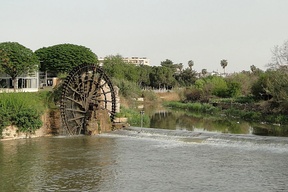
(76, 118)
(75, 110)
(85, 85)
(79, 103)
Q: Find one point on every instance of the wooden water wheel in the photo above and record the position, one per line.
(86, 90)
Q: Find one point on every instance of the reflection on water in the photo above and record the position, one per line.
(145, 159)
(182, 120)
(57, 164)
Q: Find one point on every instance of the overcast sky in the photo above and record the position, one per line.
(205, 31)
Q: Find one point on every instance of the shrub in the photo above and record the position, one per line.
(192, 94)
(22, 109)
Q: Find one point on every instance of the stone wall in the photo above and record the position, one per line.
(11, 132)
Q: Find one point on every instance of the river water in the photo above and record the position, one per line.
(145, 159)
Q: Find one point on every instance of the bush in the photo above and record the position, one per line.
(192, 94)
(23, 110)
(127, 89)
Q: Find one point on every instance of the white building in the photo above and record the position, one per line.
(26, 82)
(133, 60)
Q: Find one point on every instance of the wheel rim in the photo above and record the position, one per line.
(86, 89)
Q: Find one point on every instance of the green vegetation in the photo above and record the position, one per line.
(251, 95)
(23, 110)
(63, 57)
(197, 107)
(134, 117)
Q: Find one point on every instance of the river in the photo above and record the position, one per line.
(145, 159)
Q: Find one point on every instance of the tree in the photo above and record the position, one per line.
(280, 55)
(253, 68)
(204, 72)
(187, 77)
(223, 64)
(162, 77)
(63, 58)
(167, 63)
(116, 67)
(190, 64)
(17, 60)
(144, 72)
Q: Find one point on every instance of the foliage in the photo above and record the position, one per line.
(162, 77)
(149, 95)
(190, 64)
(127, 89)
(279, 55)
(224, 64)
(186, 78)
(198, 107)
(169, 64)
(144, 72)
(277, 84)
(63, 58)
(193, 94)
(245, 79)
(116, 67)
(15, 60)
(233, 89)
(165, 76)
(23, 110)
(134, 117)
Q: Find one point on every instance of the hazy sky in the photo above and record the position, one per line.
(205, 31)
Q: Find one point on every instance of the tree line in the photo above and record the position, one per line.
(15, 59)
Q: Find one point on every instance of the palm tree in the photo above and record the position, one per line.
(190, 64)
(204, 72)
(223, 64)
(253, 68)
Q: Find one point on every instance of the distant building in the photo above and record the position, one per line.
(133, 60)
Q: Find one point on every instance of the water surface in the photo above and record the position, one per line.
(142, 159)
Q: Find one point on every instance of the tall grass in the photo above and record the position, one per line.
(23, 110)
(134, 117)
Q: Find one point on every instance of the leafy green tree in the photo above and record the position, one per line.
(162, 77)
(224, 64)
(144, 73)
(233, 89)
(277, 85)
(63, 58)
(167, 63)
(186, 77)
(259, 88)
(16, 59)
(116, 67)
